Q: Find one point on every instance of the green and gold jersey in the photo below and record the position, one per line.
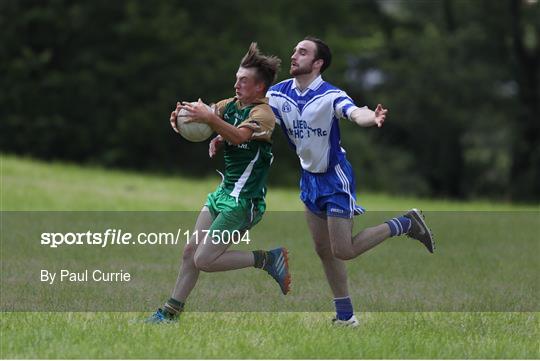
(247, 164)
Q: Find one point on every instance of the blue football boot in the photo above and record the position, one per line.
(278, 268)
(161, 316)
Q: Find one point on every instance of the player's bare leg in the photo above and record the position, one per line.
(345, 246)
(334, 268)
(189, 273)
(187, 276)
(212, 256)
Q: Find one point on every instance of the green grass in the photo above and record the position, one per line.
(480, 263)
(32, 185)
(271, 335)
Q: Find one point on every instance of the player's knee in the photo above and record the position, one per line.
(203, 263)
(189, 253)
(323, 251)
(343, 254)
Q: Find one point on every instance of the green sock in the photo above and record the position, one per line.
(260, 258)
(173, 307)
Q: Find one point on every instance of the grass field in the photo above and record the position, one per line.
(380, 280)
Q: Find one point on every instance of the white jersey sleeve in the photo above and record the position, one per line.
(273, 103)
(343, 105)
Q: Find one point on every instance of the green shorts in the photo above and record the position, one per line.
(231, 214)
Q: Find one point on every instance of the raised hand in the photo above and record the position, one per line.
(380, 115)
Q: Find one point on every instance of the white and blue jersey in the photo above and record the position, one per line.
(310, 122)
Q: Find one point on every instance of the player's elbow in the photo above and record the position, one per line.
(240, 138)
(237, 140)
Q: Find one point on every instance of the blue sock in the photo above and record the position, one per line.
(344, 309)
(399, 225)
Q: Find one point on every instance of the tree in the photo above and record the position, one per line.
(525, 174)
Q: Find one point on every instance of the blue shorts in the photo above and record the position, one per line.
(331, 193)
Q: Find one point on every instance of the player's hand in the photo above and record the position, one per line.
(198, 112)
(215, 146)
(380, 115)
(173, 117)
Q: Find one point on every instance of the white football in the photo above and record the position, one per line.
(194, 132)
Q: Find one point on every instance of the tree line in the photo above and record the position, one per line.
(95, 81)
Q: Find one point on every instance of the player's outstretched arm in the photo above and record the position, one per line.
(366, 117)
